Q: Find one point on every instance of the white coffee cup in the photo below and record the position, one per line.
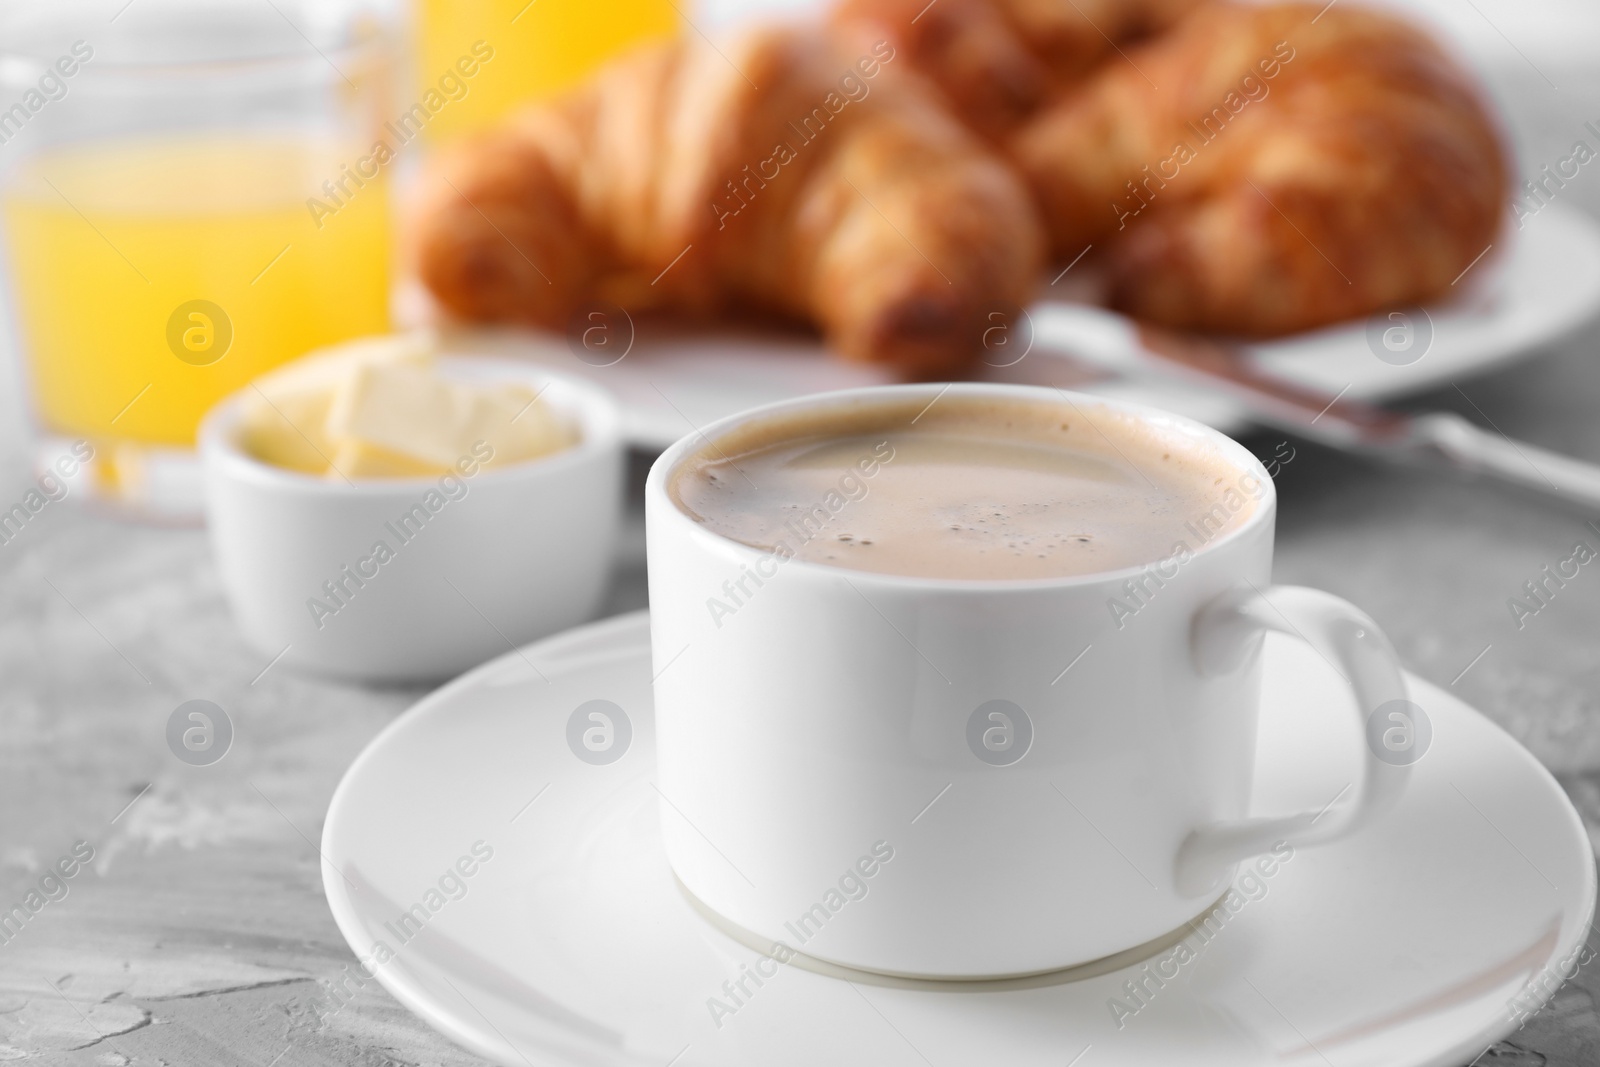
(960, 778)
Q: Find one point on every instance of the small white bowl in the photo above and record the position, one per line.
(504, 556)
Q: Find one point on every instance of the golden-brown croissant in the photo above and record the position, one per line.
(780, 173)
(1263, 170)
(997, 62)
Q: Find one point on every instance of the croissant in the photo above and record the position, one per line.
(780, 173)
(998, 62)
(1265, 170)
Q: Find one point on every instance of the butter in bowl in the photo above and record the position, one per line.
(380, 512)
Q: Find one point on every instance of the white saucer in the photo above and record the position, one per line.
(1412, 943)
(1532, 288)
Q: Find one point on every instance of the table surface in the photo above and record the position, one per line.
(199, 934)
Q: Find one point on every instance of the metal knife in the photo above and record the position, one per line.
(1107, 340)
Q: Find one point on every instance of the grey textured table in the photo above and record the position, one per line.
(198, 934)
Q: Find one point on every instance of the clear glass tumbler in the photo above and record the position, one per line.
(190, 194)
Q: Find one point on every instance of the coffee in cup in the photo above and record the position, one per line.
(971, 487)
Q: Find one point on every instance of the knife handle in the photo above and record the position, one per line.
(1493, 454)
(1111, 342)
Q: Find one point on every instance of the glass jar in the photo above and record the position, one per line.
(191, 193)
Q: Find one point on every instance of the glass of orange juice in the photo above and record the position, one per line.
(189, 197)
(534, 48)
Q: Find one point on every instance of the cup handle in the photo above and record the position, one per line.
(1225, 633)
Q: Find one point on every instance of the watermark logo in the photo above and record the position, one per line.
(1540, 990)
(852, 885)
(339, 591)
(1252, 88)
(199, 732)
(50, 87)
(1541, 190)
(1400, 338)
(199, 332)
(1281, 457)
(601, 334)
(853, 86)
(49, 888)
(999, 732)
(1146, 984)
(599, 732)
(1203, 529)
(1007, 337)
(1540, 590)
(49, 487)
(453, 884)
(453, 85)
(805, 524)
(1399, 732)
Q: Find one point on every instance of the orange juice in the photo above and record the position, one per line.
(540, 47)
(154, 277)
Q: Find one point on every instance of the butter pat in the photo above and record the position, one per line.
(410, 411)
(285, 417)
(358, 459)
(384, 409)
(286, 430)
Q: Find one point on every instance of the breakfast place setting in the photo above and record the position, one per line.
(865, 532)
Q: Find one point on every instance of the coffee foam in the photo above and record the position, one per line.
(967, 487)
